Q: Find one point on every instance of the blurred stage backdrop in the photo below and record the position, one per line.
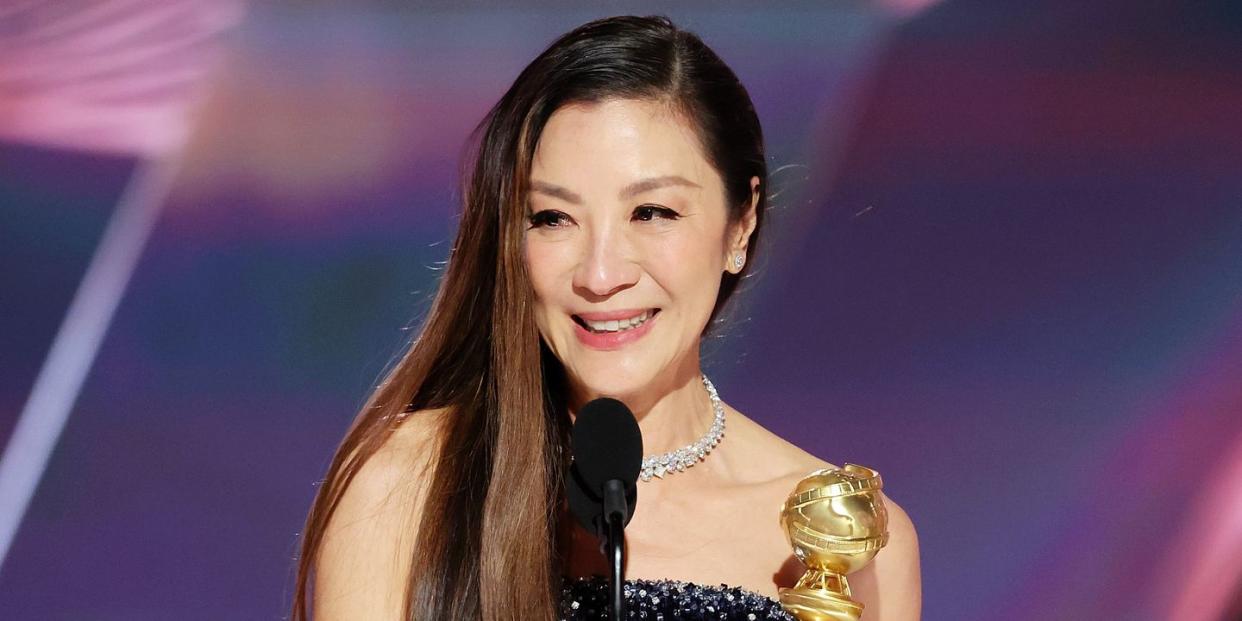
(1004, 268)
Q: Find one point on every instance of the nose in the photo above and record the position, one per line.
(607, 264)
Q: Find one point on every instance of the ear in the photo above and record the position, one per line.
(739, 236)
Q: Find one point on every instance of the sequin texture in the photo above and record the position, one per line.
(586, 598)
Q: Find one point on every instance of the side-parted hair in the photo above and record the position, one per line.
(497, 483)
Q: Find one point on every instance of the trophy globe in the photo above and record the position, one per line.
(836, 523)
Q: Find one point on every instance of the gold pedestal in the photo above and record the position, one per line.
(821, 596)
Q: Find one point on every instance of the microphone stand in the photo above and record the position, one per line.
(616, 510)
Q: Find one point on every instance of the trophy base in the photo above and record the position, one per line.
(819, 605)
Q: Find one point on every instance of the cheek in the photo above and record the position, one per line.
(685, 266)
(546, 267)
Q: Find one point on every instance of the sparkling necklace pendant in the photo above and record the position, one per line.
(678, 460)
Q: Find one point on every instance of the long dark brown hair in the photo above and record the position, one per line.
(497, 482)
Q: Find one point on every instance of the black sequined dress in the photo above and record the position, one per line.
(667, 600)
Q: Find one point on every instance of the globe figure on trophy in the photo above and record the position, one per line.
(836, 522)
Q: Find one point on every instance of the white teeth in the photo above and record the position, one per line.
(618, 325)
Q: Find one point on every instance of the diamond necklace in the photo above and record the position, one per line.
(687, 456)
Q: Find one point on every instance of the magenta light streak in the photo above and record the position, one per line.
(107, 75)
(906, 8)
(1202, 569)
(1207, 569)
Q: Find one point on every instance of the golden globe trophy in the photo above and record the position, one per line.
(836, 522)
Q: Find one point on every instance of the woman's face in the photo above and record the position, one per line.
(627, 226)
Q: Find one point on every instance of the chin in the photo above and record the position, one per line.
(618, 383)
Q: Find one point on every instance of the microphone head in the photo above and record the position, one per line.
(607, 444)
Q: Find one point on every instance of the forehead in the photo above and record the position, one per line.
(607, 144)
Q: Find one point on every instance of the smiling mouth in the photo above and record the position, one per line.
(616, 325)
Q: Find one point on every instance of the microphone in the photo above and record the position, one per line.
(602, 486)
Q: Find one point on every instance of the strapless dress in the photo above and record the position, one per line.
(667, 600)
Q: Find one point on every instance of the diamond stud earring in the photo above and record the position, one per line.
(737, 261)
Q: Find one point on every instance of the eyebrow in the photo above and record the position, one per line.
(629, 191)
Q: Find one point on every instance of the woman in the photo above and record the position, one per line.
(615, 202)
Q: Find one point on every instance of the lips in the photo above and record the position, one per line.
(611, 315)
(628, 321)
(609, 340)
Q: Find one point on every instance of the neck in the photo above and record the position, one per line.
(672, 411)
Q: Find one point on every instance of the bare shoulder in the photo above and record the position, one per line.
(891, 585)
(364, 559)
(769, 457)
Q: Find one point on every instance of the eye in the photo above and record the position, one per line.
(646, 212)
(547, 218)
